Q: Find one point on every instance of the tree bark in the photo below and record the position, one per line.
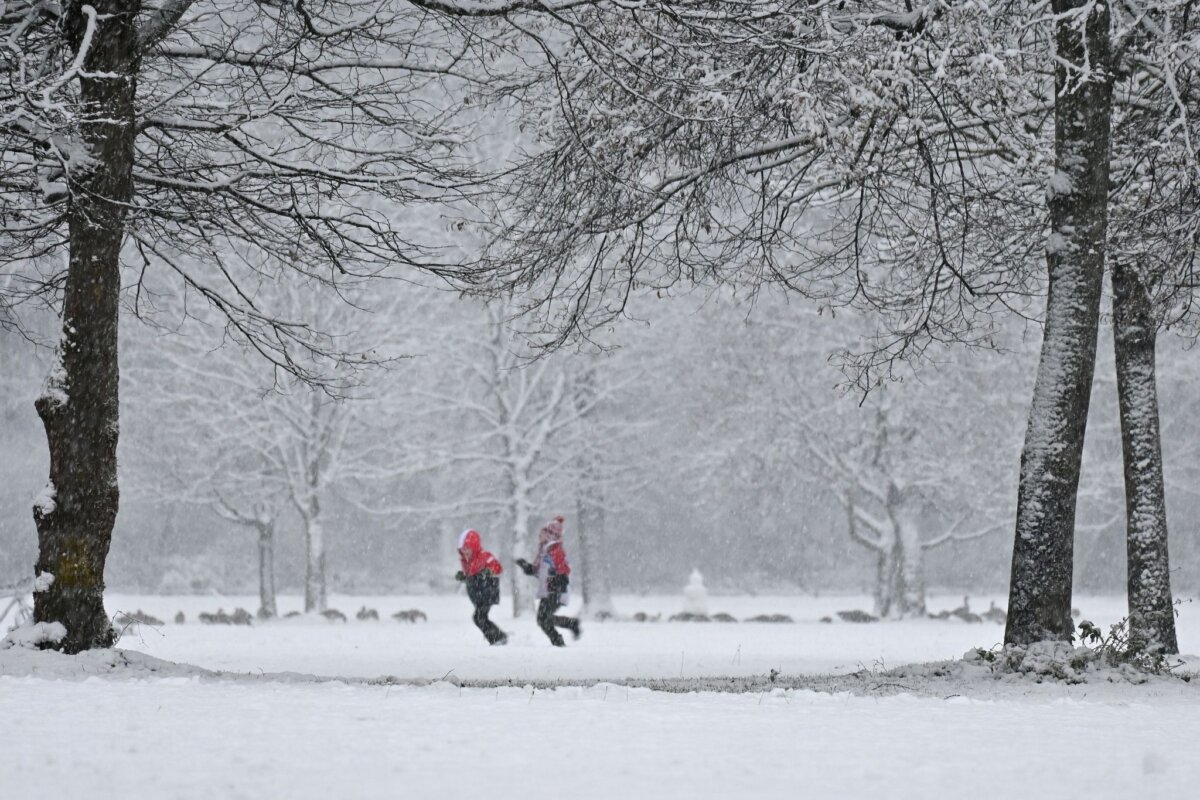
(886, 574)
(1135, 332)
(1039, 605)
(79, 410)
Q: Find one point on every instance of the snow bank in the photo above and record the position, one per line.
(22, 659)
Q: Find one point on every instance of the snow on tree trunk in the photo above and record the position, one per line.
(911, 594)
(899, 555)
(314, 544)
(522, 588)
(79, 410)
(1039, 606)
(887, 575)
(1151, 612)
(266, 571)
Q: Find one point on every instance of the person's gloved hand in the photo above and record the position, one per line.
(525, 566)
(460, 576)
(557, 583)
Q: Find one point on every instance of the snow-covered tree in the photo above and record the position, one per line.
(887, 158)
(211, 143)
(512, 438)
(264, 439)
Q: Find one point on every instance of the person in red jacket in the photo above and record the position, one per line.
(481, 572)
(553, 572)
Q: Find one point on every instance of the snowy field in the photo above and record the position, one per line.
(448, 646)
(179, 733)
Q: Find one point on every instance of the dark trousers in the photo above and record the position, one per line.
(547, 620)
(491, 631)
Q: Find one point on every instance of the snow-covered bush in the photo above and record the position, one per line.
(1121, 648)
(1112, 657)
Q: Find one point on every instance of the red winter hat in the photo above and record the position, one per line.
(553, 529)
(470, 539)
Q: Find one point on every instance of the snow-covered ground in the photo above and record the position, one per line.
(184, 738)
(449, 646)
(139, 727)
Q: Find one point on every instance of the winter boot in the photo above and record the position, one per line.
(495, 635)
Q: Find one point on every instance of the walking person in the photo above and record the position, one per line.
(553, 572)
(481, 572)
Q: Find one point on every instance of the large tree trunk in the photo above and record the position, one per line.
(908, 585)
(887, 580)
(80, 407)
(315, 597)
(267, 607)
(912, 569)
(1039, 606)
(1151, 612)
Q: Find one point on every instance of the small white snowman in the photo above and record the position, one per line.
(695, 596)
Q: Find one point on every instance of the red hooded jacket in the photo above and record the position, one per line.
(473, 557)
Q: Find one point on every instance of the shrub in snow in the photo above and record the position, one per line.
(688, 617)
(410, 615)
(1119, 648)
(769, 618)
(856, 615)
(333, 615)
(721, 616)
(1112, 657)
(180, 618)
(365, 614)
(33, 635)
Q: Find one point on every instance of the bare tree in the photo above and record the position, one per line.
(888, 462)
(261, 519)
(1040, 588)
(802, 147)
(213, 142)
